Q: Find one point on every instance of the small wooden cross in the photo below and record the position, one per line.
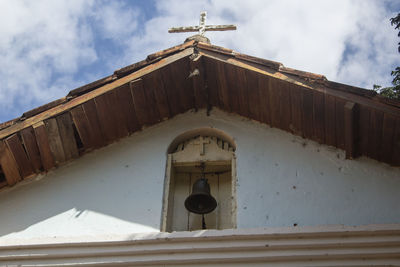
(202, 142)
(202, 28)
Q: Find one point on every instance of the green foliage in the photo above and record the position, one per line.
(392, 92)
(389, 92)
(396, 74)
(396, 23)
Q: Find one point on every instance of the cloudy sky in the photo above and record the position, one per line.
(48, 48)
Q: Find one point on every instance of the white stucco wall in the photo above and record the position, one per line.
(282, 180)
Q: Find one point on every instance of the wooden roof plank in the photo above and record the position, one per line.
(228, 88)
(343, 94)
(44, 107)
(24, 165)
(181, 70)
(93, 94)
(108, 122)
(139, 100)
(308, 113)
(388, 138)
(55, 142)
(44, 146)
(96, 133)
(375, 133)
(319, 116)
(211, 77)
(151, 103)
(172, 93)
(264, 91)
(224, 87)
(350, 129)
(396, 144)
(197, 75)
(92, 86)
(154, 80)
(253, 95)
(339, 123)
(125, 100)
(82, 126)
(8, 123)
(274, 102)
(32, 149)
(9, 165)
(116, 110)
(65, 127)
(284, 106)
(238, 97)
(171, 50)
(297, 110)
(364, 129)
(330, 120)
(243, 97)
(180, 93)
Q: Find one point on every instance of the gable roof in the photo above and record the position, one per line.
(198, 75)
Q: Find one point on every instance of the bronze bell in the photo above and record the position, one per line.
(200, 200)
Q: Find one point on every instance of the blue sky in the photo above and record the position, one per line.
(48, 48)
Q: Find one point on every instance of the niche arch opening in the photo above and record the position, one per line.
(193, 154)
(206, 131)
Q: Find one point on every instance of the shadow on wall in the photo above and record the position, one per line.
(113, 190)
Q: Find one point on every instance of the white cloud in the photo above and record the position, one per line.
(373, 48)
(307, 35)
(39, 40)
(347, 41)
(117, 21)
(49, 47)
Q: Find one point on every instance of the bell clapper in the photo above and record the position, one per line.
(203, 222)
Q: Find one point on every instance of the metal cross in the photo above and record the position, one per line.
(202, 28)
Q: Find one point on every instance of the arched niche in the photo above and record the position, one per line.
(206, 131)
(205, 151)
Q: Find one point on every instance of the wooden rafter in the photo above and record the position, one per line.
(194, 76)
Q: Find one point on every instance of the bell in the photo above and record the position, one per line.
(200, 200)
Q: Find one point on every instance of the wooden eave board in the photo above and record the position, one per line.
(314, 85)
(92, 94)
(188, 78)
(314, 113)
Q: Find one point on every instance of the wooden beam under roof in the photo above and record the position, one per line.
(350, 129)
(55, 142)
(92, 94)
(9, 165)
(67, 134)
(171, 82)
(42, 140)
(330, 120)
(32, 149)
(16, 148)
(343, 94)
(296, 103)
(125, 100)
(197, 76)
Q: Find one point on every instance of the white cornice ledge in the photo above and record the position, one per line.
(376, 245)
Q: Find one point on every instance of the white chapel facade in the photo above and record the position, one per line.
(305, 171)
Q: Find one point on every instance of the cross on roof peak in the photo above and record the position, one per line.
(202, 28)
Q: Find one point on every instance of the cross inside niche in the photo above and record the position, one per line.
(202, 142)
(202, 28)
